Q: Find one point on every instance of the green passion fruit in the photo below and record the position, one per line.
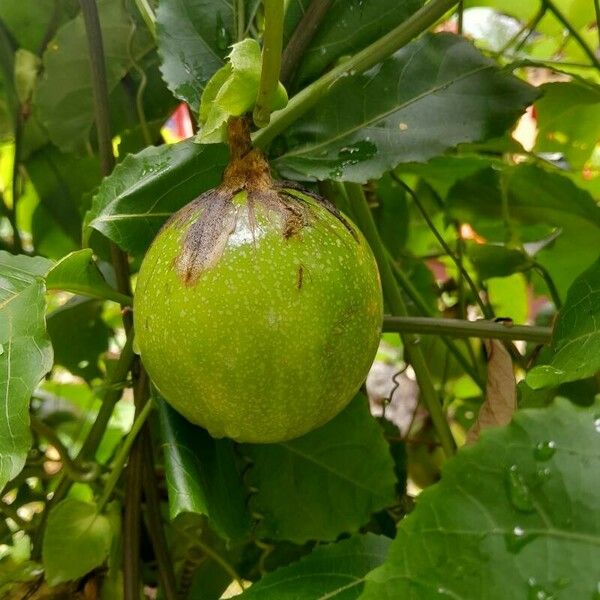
(258, 308)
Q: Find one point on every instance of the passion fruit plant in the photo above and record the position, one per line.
(209, 213)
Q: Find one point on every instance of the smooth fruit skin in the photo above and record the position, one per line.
(275, 338)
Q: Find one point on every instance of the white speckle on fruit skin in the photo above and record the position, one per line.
(247, 351)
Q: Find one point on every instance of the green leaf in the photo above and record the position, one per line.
(494, 260)
(392, 215)
(64, 98)
(325, 483)
(202, 476)
(404, 109)
(567, 121)
(348, 26)
(535, 197)
(442, 172)
(576, 339)
(330, 571)
(193, 37)
(27, 65)
(27, 20)
(232, 91)
(60, 181)
(509, 297)
(76, 540)
(25, 354)
(146, 188)
(78, 273)
(514, 516)
(79, 336)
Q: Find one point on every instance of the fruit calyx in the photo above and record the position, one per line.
(213, 216)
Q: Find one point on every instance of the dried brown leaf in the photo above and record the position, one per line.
(500, 392)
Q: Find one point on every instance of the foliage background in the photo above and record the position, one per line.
(469, 156)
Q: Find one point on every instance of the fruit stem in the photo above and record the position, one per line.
(395, 301)
(271, 61)
(122, 455)
(238, 137)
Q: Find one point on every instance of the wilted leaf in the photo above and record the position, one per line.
(324, 483)
(25, 354)
(330, 571)
(404, 109)
(76, 540)
(500, 391)
(576, 339)
(515, 515)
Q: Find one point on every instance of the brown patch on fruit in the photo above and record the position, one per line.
(211, 218)
(300, 277)
(207, 236)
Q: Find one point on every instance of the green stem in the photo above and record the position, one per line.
(528, 27)
(395, 301)
(532, 25)
(132, 525)
(487, 313)
(139, 95)
(301, 38)
(12, 217)
(597, 11)
(91, 21)
(76, 470)
(500, 330)
(552, 289)
(336, 193)
(462, 300)
(460, 9)
(122, 454)
(271, 61)
(415, 296)
(385, 46)
(8, 511)
(582, 44)
(148, 15)
(154, 523)
(115, 385)
(240, 19)
(220, 561)
(133, 492)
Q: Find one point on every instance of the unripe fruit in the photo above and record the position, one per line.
(258, 308)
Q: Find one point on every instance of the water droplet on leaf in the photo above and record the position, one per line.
(545, 450)
(222, 35)
(517, 539)
(539, 592)
(518, 490)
